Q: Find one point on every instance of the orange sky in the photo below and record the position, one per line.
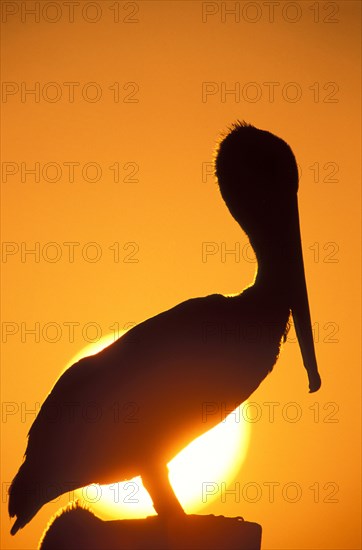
(151, 92)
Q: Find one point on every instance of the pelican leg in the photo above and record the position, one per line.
(164, 500)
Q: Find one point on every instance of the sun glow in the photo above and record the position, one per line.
(197, 473)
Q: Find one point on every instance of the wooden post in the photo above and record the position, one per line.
(79, 529)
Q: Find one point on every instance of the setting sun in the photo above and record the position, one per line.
(196, 473)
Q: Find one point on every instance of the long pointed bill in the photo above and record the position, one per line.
(300, 304)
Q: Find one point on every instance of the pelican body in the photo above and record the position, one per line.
(131, 408)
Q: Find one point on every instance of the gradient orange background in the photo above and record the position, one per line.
(169, 52)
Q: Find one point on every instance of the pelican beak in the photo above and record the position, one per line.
(300, 304)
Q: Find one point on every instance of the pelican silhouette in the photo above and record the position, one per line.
(149, 387)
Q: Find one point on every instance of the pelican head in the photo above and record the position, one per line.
(258, 179)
